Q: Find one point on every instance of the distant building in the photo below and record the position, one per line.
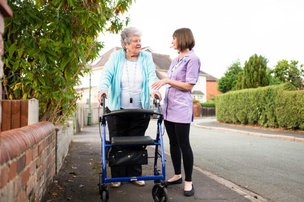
(212, 91)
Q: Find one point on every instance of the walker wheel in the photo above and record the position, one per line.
(159, 193)
(104, 195)
(102, 187)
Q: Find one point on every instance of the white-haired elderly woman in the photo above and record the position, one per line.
(126, 81)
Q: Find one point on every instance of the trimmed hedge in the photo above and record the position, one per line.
(291, 117)
(208, 104)
(271, 106)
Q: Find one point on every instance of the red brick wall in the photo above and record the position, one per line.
(27, 162)
(14, 114)
(212, 90)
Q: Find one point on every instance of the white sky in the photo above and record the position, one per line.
(224, 30)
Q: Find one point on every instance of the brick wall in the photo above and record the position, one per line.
(212, 91)
(18, 113)
(27, 162)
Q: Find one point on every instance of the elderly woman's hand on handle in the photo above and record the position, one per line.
(155, 94)
(100, 94)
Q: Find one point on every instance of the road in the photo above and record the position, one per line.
(272, 168)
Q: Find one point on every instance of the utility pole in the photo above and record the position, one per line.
(89, 102)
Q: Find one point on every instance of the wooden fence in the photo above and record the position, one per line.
(208, 111)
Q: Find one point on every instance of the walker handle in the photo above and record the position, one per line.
(156, 102)
(103, 103)
(156, 97)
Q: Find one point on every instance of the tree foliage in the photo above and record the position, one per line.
(240, 81)
(229, 80)
(48, 46)
(255, 72)
(290, 72)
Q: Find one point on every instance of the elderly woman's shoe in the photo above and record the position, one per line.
(115, 184)
(179, 181)
(139, 183)
(190, 192)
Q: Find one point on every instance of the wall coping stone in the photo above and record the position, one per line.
(16, 141)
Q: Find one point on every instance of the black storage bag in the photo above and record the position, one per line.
(123, 157)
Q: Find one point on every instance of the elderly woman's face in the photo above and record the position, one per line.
(135, 45)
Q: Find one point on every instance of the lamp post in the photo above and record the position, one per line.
(89, 103)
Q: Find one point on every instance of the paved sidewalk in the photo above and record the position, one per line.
(78, 178)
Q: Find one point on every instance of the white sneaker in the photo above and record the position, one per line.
(139, 183)
(115, 184)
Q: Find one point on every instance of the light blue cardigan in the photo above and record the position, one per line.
(111, 77)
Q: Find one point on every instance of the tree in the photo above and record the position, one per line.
(271, 79)
(229, 80)
(48, 46)
(255, 72)
(240, 81)
(290, 72)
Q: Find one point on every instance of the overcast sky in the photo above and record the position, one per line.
(225, 30)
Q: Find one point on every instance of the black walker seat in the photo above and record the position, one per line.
(132, 140)
(131, 111)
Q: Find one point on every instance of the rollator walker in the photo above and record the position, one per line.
(159, 191)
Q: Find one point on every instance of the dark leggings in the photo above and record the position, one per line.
(178, 134)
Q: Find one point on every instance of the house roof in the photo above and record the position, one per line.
(161, 61)
(197, 92)
(105, 57)
(210, 77)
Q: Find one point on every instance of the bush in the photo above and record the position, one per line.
(271, 106)
(290, 110)
(208, 104)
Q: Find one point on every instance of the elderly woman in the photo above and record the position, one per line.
(126, 81)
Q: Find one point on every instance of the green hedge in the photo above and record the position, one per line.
(271, 106)
(208, 104)
(291, 117)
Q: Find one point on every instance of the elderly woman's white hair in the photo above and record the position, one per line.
(127, 34)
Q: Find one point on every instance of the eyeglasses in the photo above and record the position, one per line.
(136, 41)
